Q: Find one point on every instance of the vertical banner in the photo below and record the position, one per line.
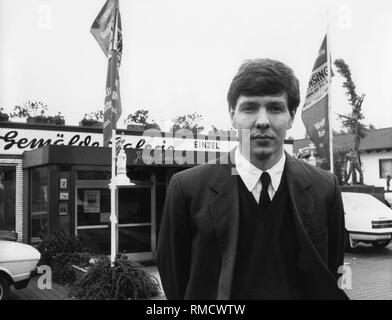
(106, 29)
(315, 112)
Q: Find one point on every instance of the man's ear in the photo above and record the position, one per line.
(290, 123)
(232, 117)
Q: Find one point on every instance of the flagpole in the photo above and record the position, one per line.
(111, 44)
(113, 206)
(113, 189)
(331, 165)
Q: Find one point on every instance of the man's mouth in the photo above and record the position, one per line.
(262, 137)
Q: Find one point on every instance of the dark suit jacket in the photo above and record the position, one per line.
(199, 230)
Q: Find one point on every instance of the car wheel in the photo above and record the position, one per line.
(380, 244)
(4, 288)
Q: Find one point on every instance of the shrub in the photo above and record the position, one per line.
(60, 251)
(88, 121)
(4, 117)
(124, 281)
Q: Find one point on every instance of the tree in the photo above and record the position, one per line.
(141, 117)
(188, 121)
(353, 121)
(35, 112)
(30, 110)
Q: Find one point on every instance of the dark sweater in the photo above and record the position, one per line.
(266, 264)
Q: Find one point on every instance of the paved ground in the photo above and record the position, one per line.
(33, 293)
(371, 271)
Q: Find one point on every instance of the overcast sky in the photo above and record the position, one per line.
(179, 56)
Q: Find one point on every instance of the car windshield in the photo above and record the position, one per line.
(360, 202)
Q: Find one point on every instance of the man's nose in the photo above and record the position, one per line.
(262, 120)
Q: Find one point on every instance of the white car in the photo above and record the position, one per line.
(18, 262)
(367, 220)
(388, 197)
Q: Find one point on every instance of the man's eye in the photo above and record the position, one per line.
(276, 108)
(248, 109)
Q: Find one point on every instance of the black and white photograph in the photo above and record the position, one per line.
(195, 150)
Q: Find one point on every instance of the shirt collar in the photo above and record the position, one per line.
(250, 174)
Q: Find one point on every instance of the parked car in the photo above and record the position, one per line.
(388, 197)
(18, 262)
(367, 220)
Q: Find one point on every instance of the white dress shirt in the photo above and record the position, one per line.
(250, 175)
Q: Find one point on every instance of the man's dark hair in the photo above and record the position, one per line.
(262, 77)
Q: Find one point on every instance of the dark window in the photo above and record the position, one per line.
(39, 204)
(135, 205)
(385, 168)
(139, 173)
(93, 206)
(7, 197)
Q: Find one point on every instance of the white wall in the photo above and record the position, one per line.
(371, 167)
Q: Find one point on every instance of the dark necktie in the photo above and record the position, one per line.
(264, 199)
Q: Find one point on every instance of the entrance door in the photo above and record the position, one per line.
(135, 207)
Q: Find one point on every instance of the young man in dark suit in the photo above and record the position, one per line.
(262, 226)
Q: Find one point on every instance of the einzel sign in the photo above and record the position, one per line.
(14, 141)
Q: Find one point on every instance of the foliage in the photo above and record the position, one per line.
(60, 251)
(29, 109)
(349, 85)
(96, 115)
(141, 117)
(35, 112)
(352, 122)
(4, 117)
(125, 280)
(93, 119)
(188, 121)
(62, 266)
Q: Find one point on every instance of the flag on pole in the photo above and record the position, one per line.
(106, 29)
(315, 112)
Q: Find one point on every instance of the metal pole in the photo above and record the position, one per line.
(113, 211)
(331, 165)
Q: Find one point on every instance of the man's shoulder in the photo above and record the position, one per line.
(314, 173)
(199, 172)
(206, 170)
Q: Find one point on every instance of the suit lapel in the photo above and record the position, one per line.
(301, 198)
(224, 211)
(302, 203)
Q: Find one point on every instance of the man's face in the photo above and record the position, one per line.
(266, 119)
